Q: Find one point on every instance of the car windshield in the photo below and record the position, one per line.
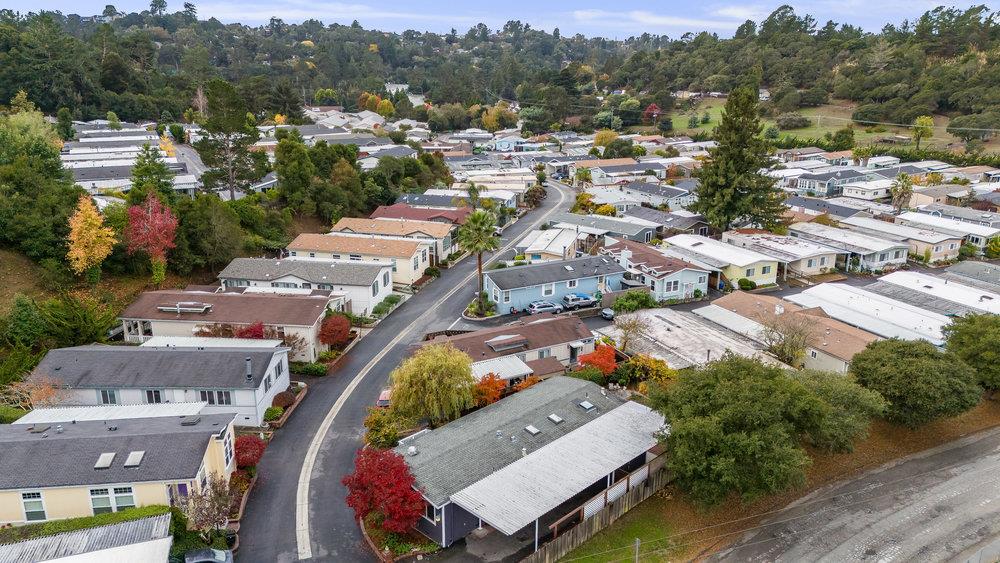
(219, 555)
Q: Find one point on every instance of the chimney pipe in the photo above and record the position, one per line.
(249, 370)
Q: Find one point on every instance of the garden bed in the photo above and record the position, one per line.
(299, 396)
(390, 547)
(241, 507)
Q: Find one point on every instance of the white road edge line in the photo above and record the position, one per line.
(302, 493)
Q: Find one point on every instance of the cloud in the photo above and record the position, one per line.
(297, 10)
(741, 12)
(642, 20)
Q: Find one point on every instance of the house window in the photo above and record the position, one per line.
(749, 272)
(675, 285)
(423, 255)
(431, 514)
(111, 500)
(223, 398)
(385, 276)
(649, 236)
(393, 264)
(496, 295)
(312, 254)
(571, 284)
(416, 263)
(267, 382)
(324, 286)
(937, 248)
(548, 289)
(34, 509)
(765, 270)
(702, 279)
(227, 447)
(506, 296)
(951, 246)
(375, 288)
(600, 280)
(810, 263)
(208, 397)
(812, 353)
(108, 396)
(822, 260)
(293, 253)
(897, 254)
(544, 353)
(883, 257)
(154, 396)
(355, 257)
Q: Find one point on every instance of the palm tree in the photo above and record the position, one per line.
(478, 235)
(471, 200)
(901, 191)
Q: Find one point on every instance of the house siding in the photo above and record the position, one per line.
(404, 275)
(361, 300)
(735, 273)
(824, 362)
(520, 298)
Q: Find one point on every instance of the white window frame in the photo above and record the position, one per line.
(434, 510)
(544, 353)
(112, 493)
(156, 394)
(227, 448)
(386, 276)
(822, 260)
(548, 289)
(506, 296)
(40, 499)
(749, 272)
(765, 270)
(571, 284)
(810, 262)
(103, 395)
(416, 263)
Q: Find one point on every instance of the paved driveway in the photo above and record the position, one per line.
(326, 530)
(939, 505)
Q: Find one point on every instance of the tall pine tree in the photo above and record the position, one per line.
(732, 186)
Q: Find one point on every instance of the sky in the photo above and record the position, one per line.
(619, 19)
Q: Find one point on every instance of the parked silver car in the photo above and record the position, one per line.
(536, 307)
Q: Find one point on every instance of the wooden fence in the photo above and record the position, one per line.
(574, 537)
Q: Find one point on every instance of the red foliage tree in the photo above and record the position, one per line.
(151, 229)
(255, 331)
(335, 330)
(249, 450)
(488, 390)
(602, 358)
(382, 484)
(651, 112)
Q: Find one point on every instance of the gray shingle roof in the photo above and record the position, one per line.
(96, 366)
(822, 206)
(610, 224)
(173, 451)
(556, 271)
(464, 451)
(662, 190)
(312, 271)
(669, 220)
(979, 274)
(87, 540)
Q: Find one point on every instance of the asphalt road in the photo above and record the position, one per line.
(940, 505)
(268, 532)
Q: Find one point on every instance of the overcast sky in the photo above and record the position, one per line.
(591, 17)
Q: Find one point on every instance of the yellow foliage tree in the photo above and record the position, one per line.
(607, 209)
(90, 241)
(604, 137)
(167, 146)
(280, 119)
(385, 108)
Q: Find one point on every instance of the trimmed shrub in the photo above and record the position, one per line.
(633, 300)
(746, 285)
(308, 368)
(273, 413)
(335, 330)
(432, 271)
(249, 450)
(283, 399)
(589, 373)
(9, 414)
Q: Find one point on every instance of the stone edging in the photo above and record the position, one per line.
(291, 408)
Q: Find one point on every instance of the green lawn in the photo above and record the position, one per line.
(616, 542)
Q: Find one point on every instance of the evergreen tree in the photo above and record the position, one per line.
(151, 175)
(64, 124)
(229, 136)
(732, 187)
(295, 173)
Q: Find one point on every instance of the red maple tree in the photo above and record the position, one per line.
(651, 112)
(249, 450)
(255, 331)
(488, 390)
(335, 330)
(151, 229)
(602, 358)
(382, 484)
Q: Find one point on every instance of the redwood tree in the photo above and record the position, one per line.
(151, 229)
(382, 484)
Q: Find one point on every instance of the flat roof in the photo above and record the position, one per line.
(109, 412)
(971, 272)
(844, 239)
(520, 493)
(718, 250)
(947, 225)
(780, 247)
(875, 313)
(504, 367)
(897, 231)
(966, 295)
(144, 539)
(209, 342)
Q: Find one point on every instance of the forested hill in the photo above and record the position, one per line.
(144, 64)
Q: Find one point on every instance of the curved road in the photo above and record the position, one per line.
(326, 530)
(939, 505)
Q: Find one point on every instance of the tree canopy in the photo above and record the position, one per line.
(435, 383)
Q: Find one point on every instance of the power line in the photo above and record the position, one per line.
(779, 510)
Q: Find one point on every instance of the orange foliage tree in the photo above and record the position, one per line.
(527, 382)
(488, 390)
(602, 358)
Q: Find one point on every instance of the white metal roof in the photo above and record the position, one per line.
(732, 320)
(505, 367)
(971, 297)
(209, 342)
(837, 237)
(718, 250)
(556, 240)
(781, 247)
(947, 225)
(527, 489)
(874, 313)
(109, 412)
(898, 231)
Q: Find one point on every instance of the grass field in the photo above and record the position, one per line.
(671, 527)
(828, 119)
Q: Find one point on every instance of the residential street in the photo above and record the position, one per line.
(269, 532)
(940, 505)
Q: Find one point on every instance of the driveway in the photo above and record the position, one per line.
(940, 505)
(297, 511)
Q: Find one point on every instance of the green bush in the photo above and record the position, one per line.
(432, 271)
(633, 300)
(589, 373)
(273, 413)
(698, 294)
(746, 285)
(10, 414)
(42, 529)
(520, 257)
(308, 368)
(520, 263)
(499, 266)
(329, 356)
(393, 299)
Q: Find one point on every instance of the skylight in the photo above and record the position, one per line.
(105, 460)
(587, 406)
(568, 268)
(555, 418)
(532, 430)
(134, 459)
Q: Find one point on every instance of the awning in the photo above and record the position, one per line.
(576, 344)
(507, 367)
(518, 494)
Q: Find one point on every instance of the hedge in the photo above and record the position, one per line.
(9, 414)
(42, 529)
(308, 368)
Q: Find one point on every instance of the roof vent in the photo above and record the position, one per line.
(249, 369)
(555, 418)
(35, 429)
(532, 430)
(499, 434)
(190, 421)
(105, 460)
(587, 406)
(568, 268)
(411, 451)
(134, 459)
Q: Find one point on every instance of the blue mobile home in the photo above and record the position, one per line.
(513, 289)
